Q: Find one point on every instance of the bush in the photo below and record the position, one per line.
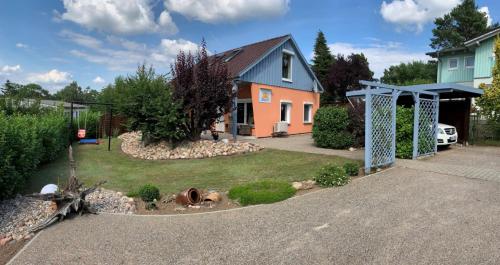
(149, 106)
(266, 191)
(149, 193)
(330, 128)
(332, 175)
(404, 132)
(351, 168)
(26, 141)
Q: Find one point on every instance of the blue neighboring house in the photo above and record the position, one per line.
(470, 64)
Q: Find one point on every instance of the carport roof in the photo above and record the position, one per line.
(449, 90)
(445, 90)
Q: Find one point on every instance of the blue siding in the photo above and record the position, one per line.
(268, 70)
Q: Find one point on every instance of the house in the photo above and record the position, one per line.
(275, 88)
(470, 64)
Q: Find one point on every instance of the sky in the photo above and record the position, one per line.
(54, 42)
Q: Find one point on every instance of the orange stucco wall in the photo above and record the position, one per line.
(267, 114)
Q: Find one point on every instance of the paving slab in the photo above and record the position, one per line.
(304, 143)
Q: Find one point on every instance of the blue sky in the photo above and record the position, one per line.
(53, 42)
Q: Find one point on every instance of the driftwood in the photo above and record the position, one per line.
(70, 200)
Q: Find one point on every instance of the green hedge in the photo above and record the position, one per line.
(330, 129)
(404, 132)
(26, 141)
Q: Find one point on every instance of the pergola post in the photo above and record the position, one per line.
(436, 122)
(395, 95)
(368, 133)
(416, 118)
(234, 115)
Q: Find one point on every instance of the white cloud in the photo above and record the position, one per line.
(414, 14)
(214, 11)
(8, 70)
(118, 16)
(119, 54)
(52, 77)
(21, 45)
(169, 49)
(380, 54)
(486, 11)
(82, 40)
(99, 80)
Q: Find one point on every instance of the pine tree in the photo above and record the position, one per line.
(463, 23)
(323, 59)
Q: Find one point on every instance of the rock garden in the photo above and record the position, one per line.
(133, 146)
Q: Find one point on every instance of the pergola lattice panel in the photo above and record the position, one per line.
(427, 127)
(382, 130)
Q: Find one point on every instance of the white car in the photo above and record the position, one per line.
(447, 134)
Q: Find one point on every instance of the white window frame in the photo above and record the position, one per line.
(449, 63)
(309, 119)
(245, 102)
(288, 110)
(465, 62)
(290, 71)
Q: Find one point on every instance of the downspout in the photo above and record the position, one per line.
(234, 113)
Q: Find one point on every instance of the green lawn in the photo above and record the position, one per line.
(123, 173)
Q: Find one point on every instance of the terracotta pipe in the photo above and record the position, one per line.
(188, 197)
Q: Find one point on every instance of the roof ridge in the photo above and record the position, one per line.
(254, 43)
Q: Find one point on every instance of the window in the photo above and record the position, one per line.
(286, 66)
(452, 63)
(285, 111)
(244, 113)
(308, 112)
(469, 62)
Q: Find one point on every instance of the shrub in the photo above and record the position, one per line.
(266, 191)
(330, 128)
(149, 193)
(351, 168)
(26, 141)
(332, 175)
(404, 132)
(149, 106)
(356, 126)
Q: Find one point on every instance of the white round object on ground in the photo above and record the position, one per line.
(49, 188)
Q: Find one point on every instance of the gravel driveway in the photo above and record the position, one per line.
(399, 216)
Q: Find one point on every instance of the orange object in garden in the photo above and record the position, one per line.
(81, 133)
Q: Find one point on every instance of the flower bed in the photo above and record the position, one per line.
(132, 145)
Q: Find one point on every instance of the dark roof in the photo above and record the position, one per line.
(241, 58)
(487, 35)
(445, 51)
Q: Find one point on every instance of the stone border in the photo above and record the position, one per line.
(132, 145)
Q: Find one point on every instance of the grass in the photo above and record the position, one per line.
(264, 191)
(126, 174)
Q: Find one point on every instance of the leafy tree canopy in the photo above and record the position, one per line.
(73, 92)
(19, 91)
(344, 75)
(413, 73)
(203, 87)
(323, 59)
(463, 23)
